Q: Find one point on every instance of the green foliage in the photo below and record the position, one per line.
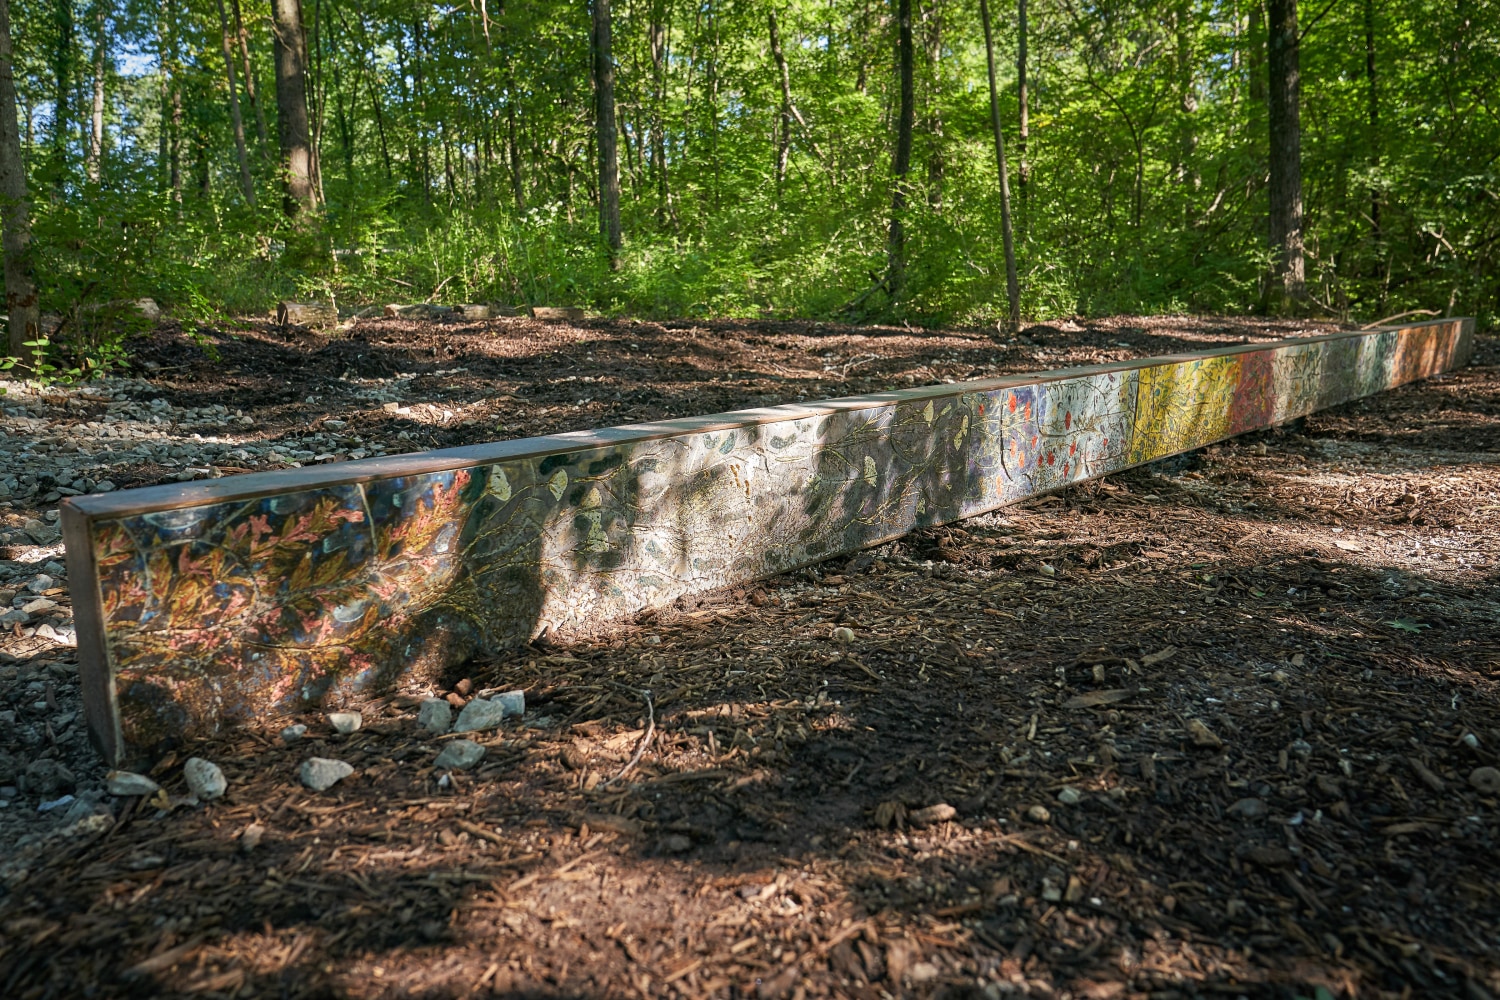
(458, 161)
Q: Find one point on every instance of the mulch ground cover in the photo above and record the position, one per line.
(1221, 726)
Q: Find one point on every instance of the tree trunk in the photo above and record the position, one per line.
(252, 90)
(289, 43)
(62, 98)
(1374, 112)
(895, 278)
(316, 106)
(1287, 279)
(419, 95)
(96, 121)
(1023, 137)
(606, 132)
(247, 183)
(660, 40)
(513, 150)
(784, 132)
(936, 165)
(1012, 284)
(1187, 98)
(15, 221)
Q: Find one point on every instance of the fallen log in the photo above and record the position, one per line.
(308, 314)
(570, 313)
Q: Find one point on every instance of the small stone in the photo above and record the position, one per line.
(251, 838)
(1486, 780)
(1051, 891)
(940, 813)
(60, 802)
(923, 972)
(321, 773)
(129, 783)
(512, 703)
(460, 755)
(104, 486)
(45, 778)
(676, 844)
(435, 716)
(1201, 735)
(291, 734)
(345, 722)
(480, 713)
(1471, 741)
(1039, 814)
(41, 582)
(843, 634)
(204, 778)
(1250, 808)
(1069, 796)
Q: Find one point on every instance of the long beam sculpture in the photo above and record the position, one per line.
(206, 603)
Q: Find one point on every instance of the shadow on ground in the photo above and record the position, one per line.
(1212, 727)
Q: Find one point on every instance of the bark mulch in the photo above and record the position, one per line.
(1217, 726)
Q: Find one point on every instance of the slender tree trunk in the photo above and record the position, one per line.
(247, 183)
(660, 41)
(289, 43)
(1287, 280)
(163, 74)
(62, 98)
(513, 151)
(252, 89)
(936, 165)
(1187, 97)
(170, 144)
(895, 279)
(1012, 284)
(784, 131)
(1023, 136)
(15, 220)
(316, 106)
(101, 62)
(606, 131)
(420, 94)
(175, 153)
(1373, 142)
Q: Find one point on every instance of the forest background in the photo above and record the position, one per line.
(452, 152)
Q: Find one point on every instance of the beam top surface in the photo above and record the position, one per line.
(257, 484)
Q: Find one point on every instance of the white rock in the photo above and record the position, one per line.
(435, 716)
(345, 722)
(204, 778)
(291, 734)
(321, 773)
(129, 783)
(480, 714)
(460, 755)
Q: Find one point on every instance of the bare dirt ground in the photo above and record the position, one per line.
(1212, 727)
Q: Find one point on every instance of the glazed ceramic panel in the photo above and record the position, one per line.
(206, 604)
(1182, 406)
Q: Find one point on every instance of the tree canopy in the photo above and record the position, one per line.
(452, 150)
